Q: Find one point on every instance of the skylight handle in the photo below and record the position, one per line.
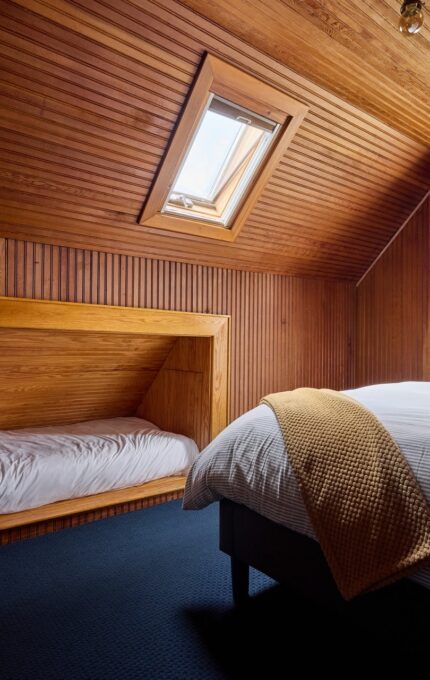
(186, 201)
(242, 119)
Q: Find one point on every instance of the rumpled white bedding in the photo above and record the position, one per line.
(248, 463)
(41, 465)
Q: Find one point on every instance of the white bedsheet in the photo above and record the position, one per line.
(248, 462)
(46, 464)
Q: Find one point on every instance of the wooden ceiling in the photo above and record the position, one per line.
(352, 47)
(90, 91)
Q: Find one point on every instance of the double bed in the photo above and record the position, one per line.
(263, 520)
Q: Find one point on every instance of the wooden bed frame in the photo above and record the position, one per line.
(66, 362)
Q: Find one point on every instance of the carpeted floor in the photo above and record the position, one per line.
(147, 596)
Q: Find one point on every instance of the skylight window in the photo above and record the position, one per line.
(233, 132)
(227, 150)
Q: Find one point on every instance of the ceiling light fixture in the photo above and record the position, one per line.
(412, 17)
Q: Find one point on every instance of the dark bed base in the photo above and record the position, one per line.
(282, 554)
(390, 623)
(288, 557)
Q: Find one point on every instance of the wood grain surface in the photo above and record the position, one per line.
(285, 332)
(351, 47)
(63, 362)
(90, 93)
(393, 334)
(66, 362)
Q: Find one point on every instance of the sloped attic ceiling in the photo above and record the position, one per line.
(352, 47)
(90, 94)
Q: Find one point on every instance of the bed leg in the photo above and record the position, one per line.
(239, 580)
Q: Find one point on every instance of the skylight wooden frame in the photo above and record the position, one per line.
(231, 83)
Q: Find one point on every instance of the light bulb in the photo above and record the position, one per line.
(412, 18)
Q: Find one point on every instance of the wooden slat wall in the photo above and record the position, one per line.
(286, 332)
(392, 304)
(90, 91)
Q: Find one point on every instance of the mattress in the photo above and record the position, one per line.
(42, 465)
(248, 463)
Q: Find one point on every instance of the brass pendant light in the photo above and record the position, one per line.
(412, 17)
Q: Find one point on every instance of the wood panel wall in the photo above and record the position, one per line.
(179, 399)
(286, 332)
(392, 309)
(75, 376)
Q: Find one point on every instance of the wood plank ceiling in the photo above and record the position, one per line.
(352, 47)
(90, 91)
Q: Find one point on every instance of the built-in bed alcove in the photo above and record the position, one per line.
(66, 362)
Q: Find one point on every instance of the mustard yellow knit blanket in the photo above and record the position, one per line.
(367, 510)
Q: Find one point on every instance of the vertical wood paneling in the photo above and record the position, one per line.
(392, 309)
(286, 332)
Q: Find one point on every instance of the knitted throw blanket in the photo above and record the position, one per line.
(368, 512)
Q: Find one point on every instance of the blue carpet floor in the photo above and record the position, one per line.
(147, 596)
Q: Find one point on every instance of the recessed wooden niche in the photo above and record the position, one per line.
(259, 123)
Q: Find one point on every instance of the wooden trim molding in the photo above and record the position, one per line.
(77, 517)
(72, 506)
(393, 238)
(223, 79)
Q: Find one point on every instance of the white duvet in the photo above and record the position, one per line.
(41, 465)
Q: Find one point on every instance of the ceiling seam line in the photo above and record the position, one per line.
(393, 238)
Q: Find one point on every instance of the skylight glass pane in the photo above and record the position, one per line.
(210, 148)
(224, 156)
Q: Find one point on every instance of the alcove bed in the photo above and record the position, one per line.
(64, 363)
